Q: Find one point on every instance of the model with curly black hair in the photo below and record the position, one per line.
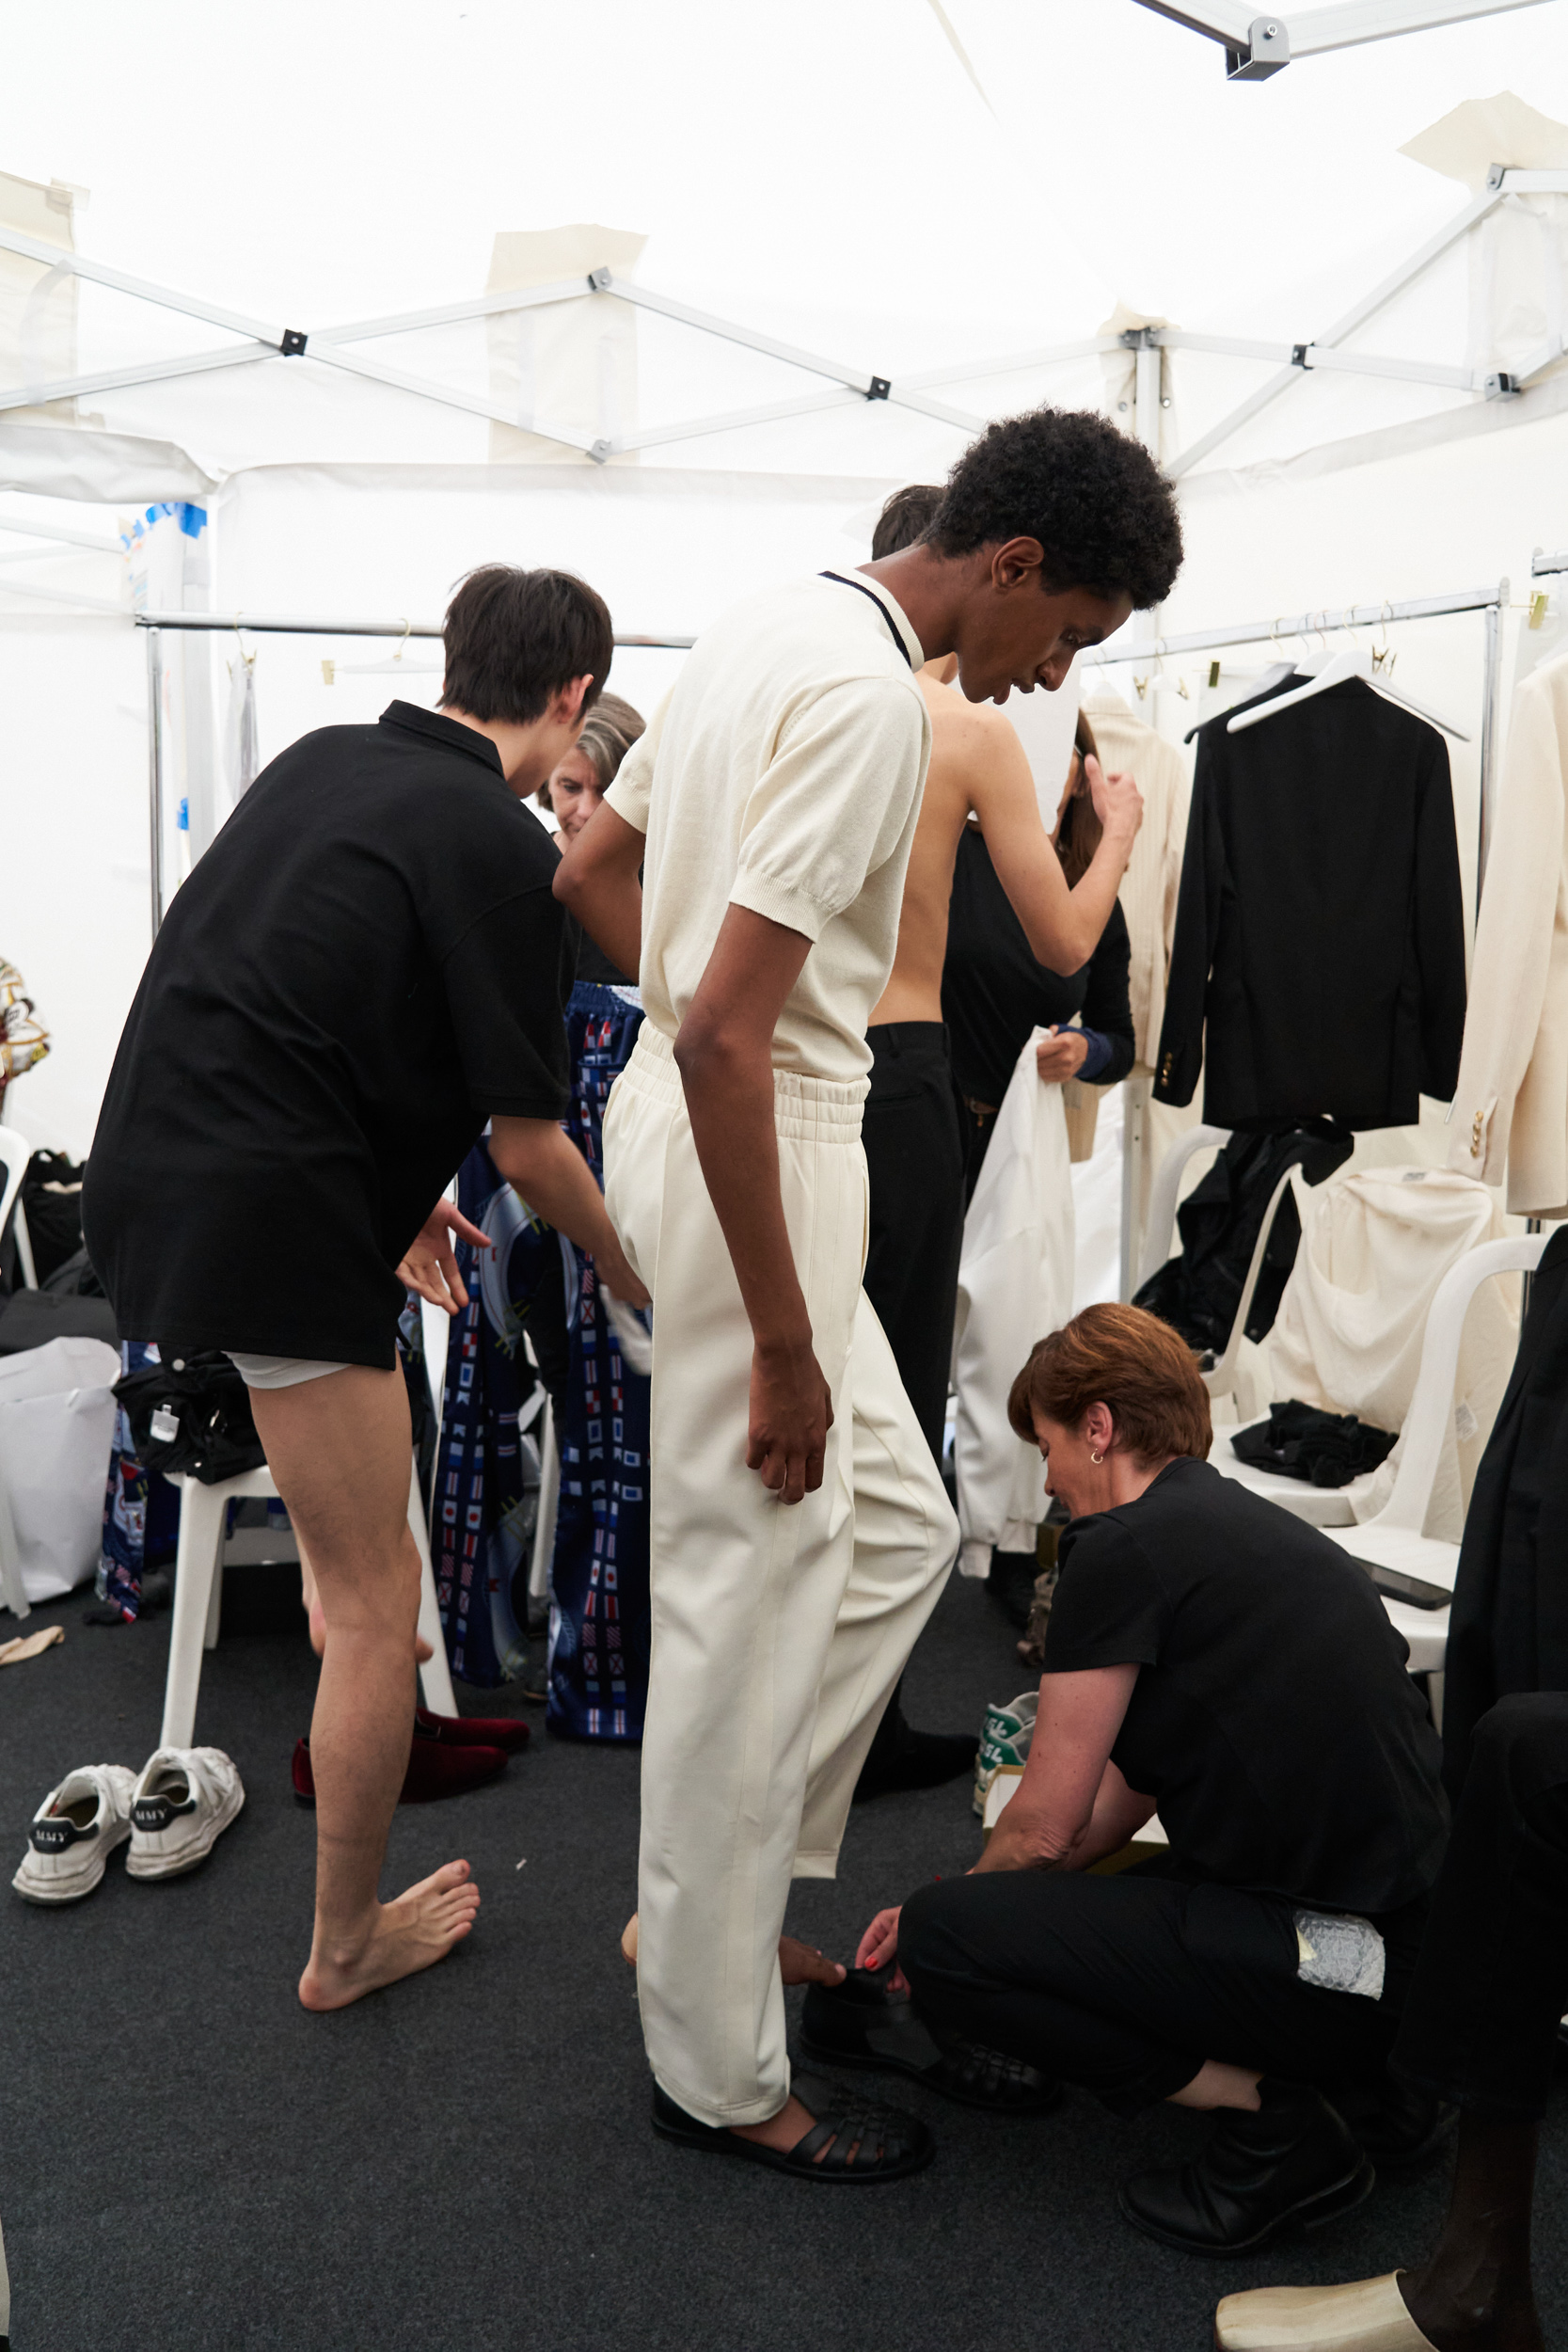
(800, 1532)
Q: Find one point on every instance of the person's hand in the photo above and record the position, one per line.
(791, 1414)
(615, 1274)
(879, 1948)
(1117, 802)
(802, 1963)
(1061, 1054)
(429, 1266)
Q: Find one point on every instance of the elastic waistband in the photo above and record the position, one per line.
(818, 1110)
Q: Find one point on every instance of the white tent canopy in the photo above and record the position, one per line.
(841, 181)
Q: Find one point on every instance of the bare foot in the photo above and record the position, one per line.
(405, 1936)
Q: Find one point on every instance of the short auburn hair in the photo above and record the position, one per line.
(1127, 1361)
(514, 639)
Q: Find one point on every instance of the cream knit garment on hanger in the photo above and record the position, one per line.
(1348, 1336)
(1510, 1107)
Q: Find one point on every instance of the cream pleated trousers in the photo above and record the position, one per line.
(779, 1630)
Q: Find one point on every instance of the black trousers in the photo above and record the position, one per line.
(1126, 1984)
(915, 1159)
(1492, 1981)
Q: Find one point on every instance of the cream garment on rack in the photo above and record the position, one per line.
(1374, 1247)
(1149, 894)
(1510, 1107)
(1015, 1284)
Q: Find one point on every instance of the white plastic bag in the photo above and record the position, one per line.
(56, 1420)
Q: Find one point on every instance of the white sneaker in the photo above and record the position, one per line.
(74, 1832)
(183, 1802)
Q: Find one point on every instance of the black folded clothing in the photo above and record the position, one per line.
(1324, 1449)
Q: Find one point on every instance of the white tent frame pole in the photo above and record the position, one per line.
(1314, 32)
(1266, 393)
(328, 346)
(155, 773)
(270, 624)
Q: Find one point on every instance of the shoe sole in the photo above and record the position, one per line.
(149, 1868)
(872, 2064)
(53, 1892)
(1313, 2212)
(772, 2160)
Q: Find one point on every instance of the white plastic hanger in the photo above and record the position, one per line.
(1351, 662)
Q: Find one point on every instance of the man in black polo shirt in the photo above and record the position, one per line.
(366, 966)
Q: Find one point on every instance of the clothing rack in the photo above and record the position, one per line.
(1490, 602)
(265, 624)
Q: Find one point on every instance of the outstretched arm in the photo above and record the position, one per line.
(554, 1179)
(1073, 1806)
(1062, 926)
(725, 1056)
(597, 879)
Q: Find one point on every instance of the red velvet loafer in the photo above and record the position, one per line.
(434, 1772)
(472, 1731)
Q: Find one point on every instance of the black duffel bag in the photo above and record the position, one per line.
(193, 1417)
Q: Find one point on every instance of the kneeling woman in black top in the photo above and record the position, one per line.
(1211, 1656)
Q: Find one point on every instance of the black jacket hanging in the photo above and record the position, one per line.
(1319, 934)
(1198, 1291)
(1508, 1628)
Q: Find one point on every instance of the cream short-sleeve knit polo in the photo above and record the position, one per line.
(783, 773)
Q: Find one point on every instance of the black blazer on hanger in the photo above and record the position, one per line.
(1320, 932)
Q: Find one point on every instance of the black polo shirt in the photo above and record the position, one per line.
(1273, 1718)
(365, 966)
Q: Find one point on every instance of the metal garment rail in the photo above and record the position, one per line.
(275, 625)
(1490, 602)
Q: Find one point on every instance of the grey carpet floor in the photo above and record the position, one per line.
(190, 2163)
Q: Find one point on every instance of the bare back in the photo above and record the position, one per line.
(977, 763)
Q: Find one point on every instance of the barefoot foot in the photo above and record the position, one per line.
(405, 1936)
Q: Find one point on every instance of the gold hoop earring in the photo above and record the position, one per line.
(1097, 1458)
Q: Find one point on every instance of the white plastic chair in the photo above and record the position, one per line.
(1163, 1195)
(198, 1596)
(1393, 1540)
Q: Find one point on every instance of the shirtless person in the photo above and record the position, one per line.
(913, 1146)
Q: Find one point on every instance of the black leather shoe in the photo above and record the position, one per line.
(916, 1759)
(1397, 2126)
(851, 2141)
(863, 2023)
(1292, 2161)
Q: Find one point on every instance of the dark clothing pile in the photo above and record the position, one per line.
(1324, 1449)
(1318, 967)
(1198, 1292)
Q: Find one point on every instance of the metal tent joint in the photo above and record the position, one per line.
(293, 342)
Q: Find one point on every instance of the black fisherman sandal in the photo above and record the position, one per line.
(862, 2021)
(891, 2144)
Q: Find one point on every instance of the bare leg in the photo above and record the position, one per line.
(1473, 2293)
(338, 1448)
(309, 1601)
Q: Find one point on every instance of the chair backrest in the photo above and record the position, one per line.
(1163, 1196)
(1223, 1378)
(1426, 1423)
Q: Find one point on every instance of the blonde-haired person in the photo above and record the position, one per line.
(597, 1680)
(1211, 1656)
